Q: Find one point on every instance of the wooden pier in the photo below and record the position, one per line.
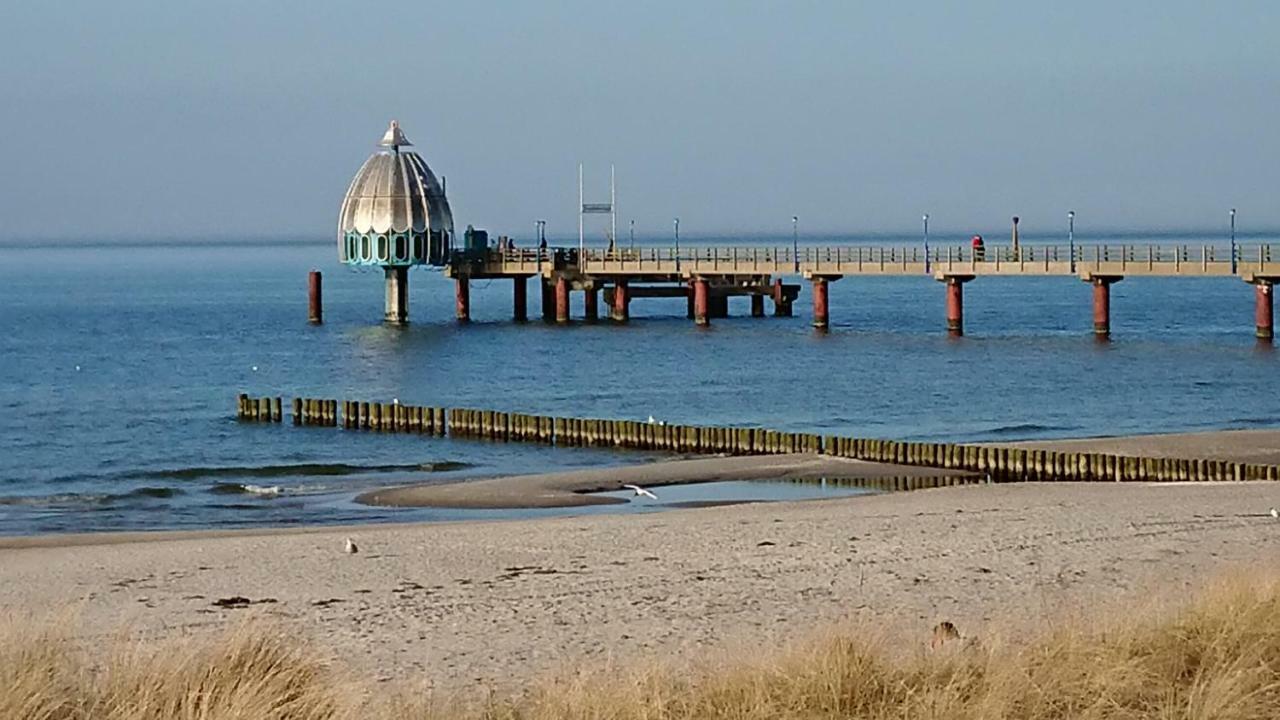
(707, 276)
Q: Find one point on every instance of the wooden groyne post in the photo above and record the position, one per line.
(315, 298)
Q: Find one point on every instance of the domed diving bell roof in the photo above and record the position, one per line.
(395, 211)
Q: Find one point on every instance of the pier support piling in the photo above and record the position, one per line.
(397, 301)
(955, 302)
(701, 309)
(520, 298)
(821, 313)
(315, 300)
(548, 300)
(757, 306)
(1264, 309)
(781, 303)
(562, 300)
(621, 302)
(591, 304)
(717, 305)
(1102, 303)
(462, 299)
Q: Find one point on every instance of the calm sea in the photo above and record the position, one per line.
(121, 364)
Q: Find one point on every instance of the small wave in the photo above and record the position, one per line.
(151, 492)
(299, 470)
(88, 499)
(1253, 422)
(246, 489)
(51, 500)
(1024, 429)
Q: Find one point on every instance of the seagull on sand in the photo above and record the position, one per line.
(350, 547)
(1275, 513)
(641, 492)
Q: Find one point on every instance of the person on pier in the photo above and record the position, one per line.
(979, 250)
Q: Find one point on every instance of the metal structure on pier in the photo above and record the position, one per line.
(395, 216)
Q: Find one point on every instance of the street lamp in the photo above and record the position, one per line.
(795, 242)
(1071, 237)
(633, 234)
(677, 224)
(925, 218)
(1233, 240)
(541, 240)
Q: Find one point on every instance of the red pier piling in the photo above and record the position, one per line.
(621, 302)
(701, 309)
(462, 299)
(1102, 303)
(315, 302)
(562, 300)
(955, 302)
(821, 314)
(1264, 309)
(781, 303)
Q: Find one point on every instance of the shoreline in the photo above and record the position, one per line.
(565, 489)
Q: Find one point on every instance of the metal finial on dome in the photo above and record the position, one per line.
(394, 137)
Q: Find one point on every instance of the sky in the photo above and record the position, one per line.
(175, 119)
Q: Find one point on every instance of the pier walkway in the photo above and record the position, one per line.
(707, 276)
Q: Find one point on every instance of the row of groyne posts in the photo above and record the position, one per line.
(1000, 464)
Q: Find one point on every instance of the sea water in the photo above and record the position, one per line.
(121, 363)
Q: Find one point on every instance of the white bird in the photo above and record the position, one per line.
(255, 368)
(350, 547)
(77, 368)
(651, 420)
(1275, 513)
(641, 492)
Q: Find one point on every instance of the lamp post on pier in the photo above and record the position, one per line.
(540, 240)
(677, 224)
(633, 234)
(1233, 240)
(925, 218)
(795, 242)
(1071, 237)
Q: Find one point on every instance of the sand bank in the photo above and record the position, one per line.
(1249, 446)
(569, 489)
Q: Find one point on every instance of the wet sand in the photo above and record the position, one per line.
(569, 489)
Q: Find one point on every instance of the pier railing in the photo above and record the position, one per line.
(1099, 259)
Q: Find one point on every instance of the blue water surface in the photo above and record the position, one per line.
(121, 364)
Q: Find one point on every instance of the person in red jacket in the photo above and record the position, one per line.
(979, 250)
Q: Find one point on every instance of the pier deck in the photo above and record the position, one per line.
(707, 276)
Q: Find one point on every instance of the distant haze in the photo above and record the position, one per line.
(176, 119)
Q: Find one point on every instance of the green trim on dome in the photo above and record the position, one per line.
(385, 249)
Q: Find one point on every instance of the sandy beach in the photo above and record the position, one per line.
(456, 606)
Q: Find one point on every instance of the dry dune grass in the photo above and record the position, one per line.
(1216, 658)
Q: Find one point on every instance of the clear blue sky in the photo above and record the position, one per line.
(229, 118)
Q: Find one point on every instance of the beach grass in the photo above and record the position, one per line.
(1215, 657)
